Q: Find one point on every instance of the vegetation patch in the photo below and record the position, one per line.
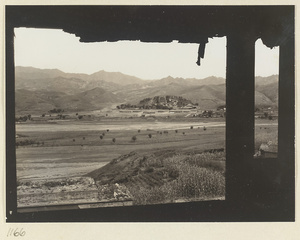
(165, 176)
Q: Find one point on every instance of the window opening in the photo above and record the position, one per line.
(266, 101)
(116, 124)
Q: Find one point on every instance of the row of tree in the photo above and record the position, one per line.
(56, 110)
(23, 118)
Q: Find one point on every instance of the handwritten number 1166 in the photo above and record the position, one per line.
(16, 232)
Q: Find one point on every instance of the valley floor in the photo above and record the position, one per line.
(54, 159)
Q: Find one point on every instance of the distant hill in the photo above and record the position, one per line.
(57, 84)
(160, 102)
(206, 96)
(270, 90)
(44, 101)
(264, 81)
(114, 77)
(36, 73)
(96, 98)
(34, 78)
(38, 89)
(187, 82)
(36, 101)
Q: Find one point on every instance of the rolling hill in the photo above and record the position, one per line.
(36, 101)
(38, 89)
(43, 101)
(96, 98)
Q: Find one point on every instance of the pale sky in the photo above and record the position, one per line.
(50, 49)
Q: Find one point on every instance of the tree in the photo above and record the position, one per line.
(150, 135)
(176, 131)
(107, 130)
(101, 136)
(192, 127)
(139, 130)
(204, 128)
(113, 140)
(134, 138)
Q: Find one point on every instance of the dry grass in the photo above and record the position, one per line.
(198, 176)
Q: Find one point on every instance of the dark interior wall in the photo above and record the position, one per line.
(250, 195)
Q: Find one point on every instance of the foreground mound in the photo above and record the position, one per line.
(165, 176)
(146, 170)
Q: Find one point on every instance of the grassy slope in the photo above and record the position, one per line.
(166, 176)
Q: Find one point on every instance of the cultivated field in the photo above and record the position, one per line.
(70, 149)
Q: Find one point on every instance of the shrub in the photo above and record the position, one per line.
(150, 135)
(191, 127)
(113, 140)
(25, 142)
(101, 136)
(134, 138)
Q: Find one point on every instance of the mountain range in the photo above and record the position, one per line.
(40, 90)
